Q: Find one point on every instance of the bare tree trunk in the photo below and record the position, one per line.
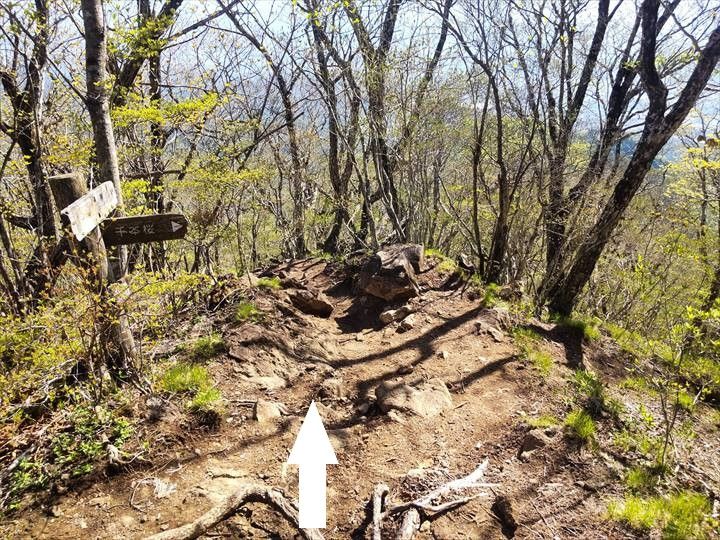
(561, 125)
(495, 263)
(158, 139)
(338, 181)
(622, 91)
(98, 104)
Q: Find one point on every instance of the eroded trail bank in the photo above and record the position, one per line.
(414, 393)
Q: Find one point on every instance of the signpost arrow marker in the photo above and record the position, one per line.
(146, 228)
(312, 452)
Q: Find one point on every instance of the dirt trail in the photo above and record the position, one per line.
(491, 387)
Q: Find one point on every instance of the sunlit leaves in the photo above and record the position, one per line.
(164, 113)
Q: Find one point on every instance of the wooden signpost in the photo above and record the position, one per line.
(86, 213)
(139, 229)
(93, 208)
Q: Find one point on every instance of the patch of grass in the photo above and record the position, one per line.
(639, 513)
(490, 296)
(594, 394)
(639, 384)
(680, 515)
(542, 361)
(631, 441)
(247, 311)
(543, 421)
(639, 479)
(272, 283)
(195, 380)
(685, 515)
(207, 347)
(591, 388)
(526, 339)
(206, 400)
(432, 252)
(183, 378)
(587, 326)
(522, 333)
(447, 265)
(580, 425)
(588, 384)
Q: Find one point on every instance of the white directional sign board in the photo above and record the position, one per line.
(88, 211)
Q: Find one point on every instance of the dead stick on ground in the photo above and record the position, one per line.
(244, 495)
(542, 517)
(410, 511)
(381, 490)
(410, 525)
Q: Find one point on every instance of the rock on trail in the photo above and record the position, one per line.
(427, 399)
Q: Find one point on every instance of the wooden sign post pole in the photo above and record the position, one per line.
(114, 328)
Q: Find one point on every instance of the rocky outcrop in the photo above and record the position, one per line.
(267, 411)
(311, 302)
(407, 324)
(534, 440)
(484, 328)
(426, 399)
(390, 273)
(391, 315)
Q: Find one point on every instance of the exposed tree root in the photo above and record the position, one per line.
(225, 510)
(413, 512)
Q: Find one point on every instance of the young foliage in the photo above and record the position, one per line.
(207, 347)
(580, 425)
(680, 516)
(247, 311)
(182, 377)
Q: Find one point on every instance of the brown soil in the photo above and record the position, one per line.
(559, 492)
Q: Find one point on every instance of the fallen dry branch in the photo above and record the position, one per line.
(410, 525)
(379, 494)
(230, 506)
(410, 512)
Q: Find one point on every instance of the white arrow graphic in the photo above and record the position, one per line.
(312, 451)
(175, 226)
